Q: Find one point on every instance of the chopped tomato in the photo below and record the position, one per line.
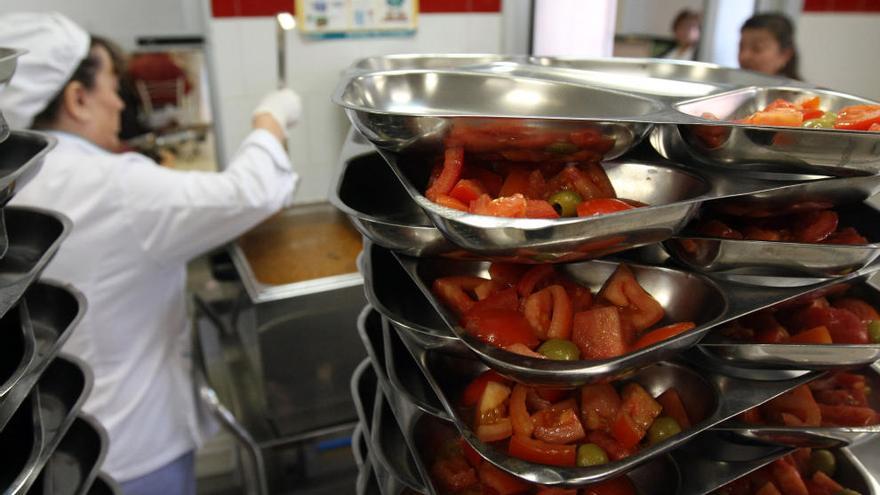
(500, 327)
(798, 402)
(490, 181)
(602, 206)
(615, 450)
(501, 482)
(774, 335)
(599, 406)
(600, 179)
(507, 273)
(467, 190)
(538, 208)
(549, 313)
(574, 179)
(558, 426)
(768, 489)
(637, 411)
(502, 299)
(491, 404)
(519, 414)
(674, 408)
(580, 296)
(874, 127)
(517, 182)
(858, 117)
(663, 333)
(788, 478)
(598, 333)
(505, 206)
(494, 432)
(817, 335)
(844, 326)
(847, 415)
(453, 291)
(453, 474)
(780, 103)
(639, 307)
(474, 391)
(449, 175)
(788, 117)
(858, 307)
(537, 187)
(814, 226)
(537, 451)
(809, 103)
(534, 279)
(617, 486)
(822, 484)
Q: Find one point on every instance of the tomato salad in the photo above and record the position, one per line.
(835, 317)
(806, 113)
(803, 472)
(538, 312)
(508, 169)
(816, 226)
(589, 426)
(838, 400)
(458, 469)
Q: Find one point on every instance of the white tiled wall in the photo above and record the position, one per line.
(245, 67)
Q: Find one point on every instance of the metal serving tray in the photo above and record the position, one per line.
(391, 292)
(21, 157)
(432, 61)
(74, 466)
(62, 390)
(18, 349)
(21, 439)
(708, 395)
(684, 296)
(712, 254)
(56, 310)
(34, 237)
(405, 376)
(751, 147)
(815, 436)
(800, 356)
(389, 448)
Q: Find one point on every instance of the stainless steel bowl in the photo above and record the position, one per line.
(708, 396)
(684, 296)
(735, 146)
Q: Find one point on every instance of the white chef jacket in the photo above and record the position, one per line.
(135, 226)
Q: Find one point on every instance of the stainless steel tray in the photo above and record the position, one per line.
(61, 391)
(711, 254)
(391, 292)
(405, 377)
(56, 311)
(800, 356)
(18, 349)
(684, 296)
(21, 157)
(74, 466)
(752, 147)
(815, 436)
(21, 439)
(34, 237)
(389, 449)
(706, 394)
(428, 61)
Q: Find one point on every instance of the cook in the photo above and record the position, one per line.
(135, 226)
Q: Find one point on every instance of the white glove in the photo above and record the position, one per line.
(283, 105)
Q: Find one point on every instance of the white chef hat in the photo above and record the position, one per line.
(55, 47)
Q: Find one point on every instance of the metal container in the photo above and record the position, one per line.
(800, 356)
(21, 157)
(74, 466)
(18, 349)
(405, 377)
(34, 237)
(684, 296)
(707, 395)
(389, 449)
(61, 391)
(432, 61)
(56, 311)
(21, 438)
(735, 146)
(710, 254)
(815, 436)
(398, 299)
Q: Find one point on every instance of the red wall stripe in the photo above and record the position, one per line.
(841, 6)
(254, 8)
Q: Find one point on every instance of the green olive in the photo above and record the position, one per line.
(590, 454)
(824, 122)
(662, 428)
(561, 147)
(823, 460)
(847, 491)
(565, 203)
(560, 349)
(874, 331)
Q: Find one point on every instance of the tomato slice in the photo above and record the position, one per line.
(788, 478)
(817, 335)
(453, 164)
(474, 391)
(501, 482)
(662, 334)
(490, 181)
(848, 415)
(768, 489)
(638, 307)
(785, 117)
(455, 291)
(674, 408)
(574, 179)
(467, 190)
(602, 206)
(598, 333)
(599, 406)
(495, 432)
(500, 327)
(505, 206)
(858, 307)
(814, 226)
(502, 299)
(637, 411)
(858, 117)
(798, 402)
(558, 426)
(450, 202)
(537, 451)
(534, 279)
(538, 208)
(519, 414)
(453, 474)
(549, 312)
(516, 182)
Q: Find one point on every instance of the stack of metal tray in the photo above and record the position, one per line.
(49, 446)
(403, 107)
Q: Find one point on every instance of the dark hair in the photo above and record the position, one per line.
(85, 74)
(683, 15)
(783, 31)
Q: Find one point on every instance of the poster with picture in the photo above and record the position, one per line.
(352, 18)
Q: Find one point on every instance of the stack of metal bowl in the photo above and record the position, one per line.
(407, 392)
(49, 446)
